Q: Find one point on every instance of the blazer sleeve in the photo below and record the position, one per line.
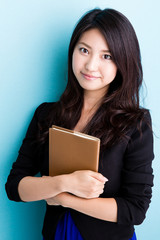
(28, 162)
(137, 177)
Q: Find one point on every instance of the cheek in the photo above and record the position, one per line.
(75, 62)
(73, 59)
(112, 71)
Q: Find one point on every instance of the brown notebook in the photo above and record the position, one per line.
(71, 150)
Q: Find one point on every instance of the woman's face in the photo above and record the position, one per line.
(92, 62)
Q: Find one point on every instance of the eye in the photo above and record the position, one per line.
(107, 57)
(83, 50)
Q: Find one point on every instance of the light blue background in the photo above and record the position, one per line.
(34, 37)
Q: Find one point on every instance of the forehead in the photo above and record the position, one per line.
(94, 38)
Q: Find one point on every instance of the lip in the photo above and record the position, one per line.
(89, 77)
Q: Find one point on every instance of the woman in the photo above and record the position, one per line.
(101, 99)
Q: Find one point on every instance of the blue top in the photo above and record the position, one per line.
(67, 230)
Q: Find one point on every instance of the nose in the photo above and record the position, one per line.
(92, 64)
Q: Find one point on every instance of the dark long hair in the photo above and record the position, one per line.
(120, 108)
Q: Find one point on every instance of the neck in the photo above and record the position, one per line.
(92, 101)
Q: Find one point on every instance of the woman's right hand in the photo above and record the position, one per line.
(86, 183)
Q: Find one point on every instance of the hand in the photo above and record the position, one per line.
(58, 199)
(86, 183)
(52, 201)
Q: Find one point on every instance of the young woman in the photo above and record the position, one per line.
(101, 99)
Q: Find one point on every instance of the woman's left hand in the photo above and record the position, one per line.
(58, 199)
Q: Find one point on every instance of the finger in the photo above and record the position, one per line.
(51, 202)
(99, 177)
(98, 187)
(99, 190)
(100, 184)
(48, 202)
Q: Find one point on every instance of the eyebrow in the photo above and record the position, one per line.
(90, 47)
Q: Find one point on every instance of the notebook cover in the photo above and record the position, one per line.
(70, 151)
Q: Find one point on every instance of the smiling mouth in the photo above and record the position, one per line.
(89, 77)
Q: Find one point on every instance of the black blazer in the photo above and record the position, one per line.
(127, 165)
